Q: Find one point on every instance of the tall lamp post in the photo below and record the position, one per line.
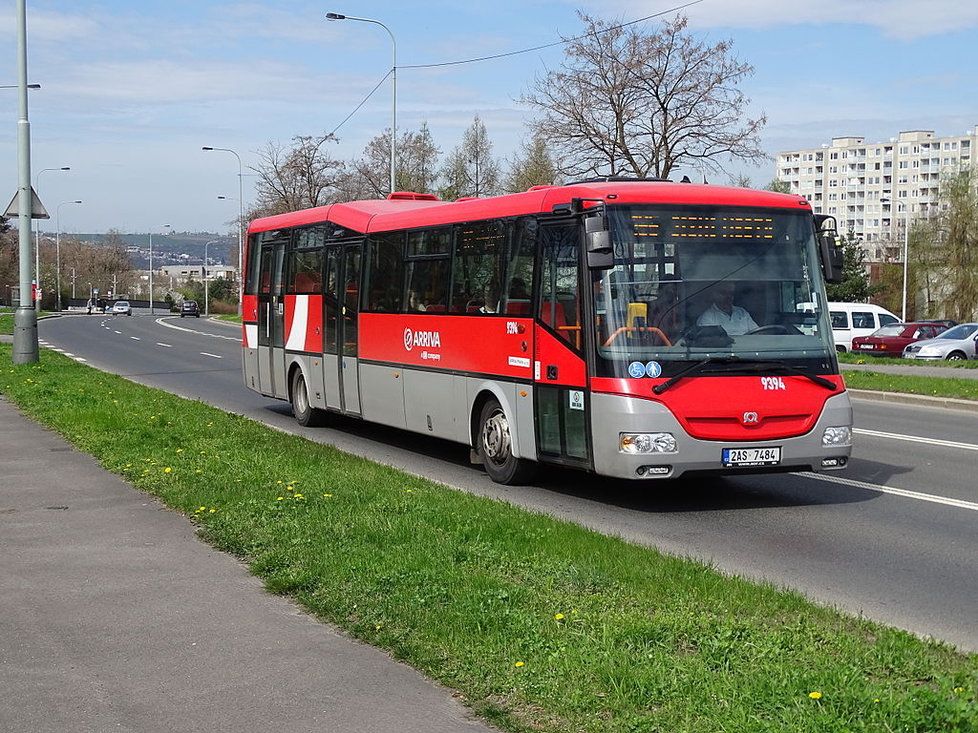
(165, 226)
(37, 224)
(240, 215)
(57, 251)
(906, 255)
(339, 16)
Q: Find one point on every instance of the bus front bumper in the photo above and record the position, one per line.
(613, 415)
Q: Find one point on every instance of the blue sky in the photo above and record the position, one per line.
(131, 91)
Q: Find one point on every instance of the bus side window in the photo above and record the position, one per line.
(384, 274)
(252, 263)
(476, 276)
(520, 255)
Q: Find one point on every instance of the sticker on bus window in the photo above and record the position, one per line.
(653, 369)
(636, 369)
(576, 399)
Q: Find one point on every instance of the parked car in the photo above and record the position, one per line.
(893, 339)
(955, 344)
(857, 319)
(189, 308)
(946, 322)
(121, 308)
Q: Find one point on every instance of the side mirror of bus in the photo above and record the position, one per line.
(829, 248)
(597, 242)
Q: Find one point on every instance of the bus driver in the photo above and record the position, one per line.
(722, 312)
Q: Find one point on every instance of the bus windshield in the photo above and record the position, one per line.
(691, 283)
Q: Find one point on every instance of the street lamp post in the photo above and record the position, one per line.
(339, 16)
(240, 216)
(165, 226)
(57, 252)
(37, 224)
(203, 275)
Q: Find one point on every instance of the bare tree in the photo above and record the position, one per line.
(531, 165)
(369, 175)
(470, 169)
(630, 101)
(417, 168)
(741, 180)
(296, 176)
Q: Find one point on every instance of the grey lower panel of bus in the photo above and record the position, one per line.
(331, 380)
(351, 385)
(614, 414)
(249, 364)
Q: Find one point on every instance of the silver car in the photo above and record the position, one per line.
(121, 308)
(955, 344)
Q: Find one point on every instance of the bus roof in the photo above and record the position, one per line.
(381, 215)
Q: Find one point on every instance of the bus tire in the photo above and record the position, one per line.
(494, 443)
(305, 414)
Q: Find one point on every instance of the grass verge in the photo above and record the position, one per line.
(229, 317)
(541, 625)
(849, 358)
(963, 389)
(7, 320)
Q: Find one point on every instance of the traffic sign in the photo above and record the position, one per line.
(37, 208)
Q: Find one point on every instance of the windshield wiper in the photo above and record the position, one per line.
(781, 366)
(740, 362)
(660, 388)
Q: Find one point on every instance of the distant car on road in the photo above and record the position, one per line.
(121, 308)
(955, 344)
(850, 320)
(189, 308)
(893, 339)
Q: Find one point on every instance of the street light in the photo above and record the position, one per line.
(57, 250)
(906, 247)
(14, 86)
(37, 224)
(339, 16)
(165, 226)
(203, 273)
(240, 216)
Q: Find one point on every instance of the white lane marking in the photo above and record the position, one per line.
(162, 322)
(213, 356)
(135, 338)
(916, 439)
(60, 351)
(906, 493)
(68, 353)
(119, 332)
(165, 346)
(78, 358)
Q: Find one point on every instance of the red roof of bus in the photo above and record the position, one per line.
(382, 215)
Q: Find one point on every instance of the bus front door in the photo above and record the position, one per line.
(348, 319)
(271, 321)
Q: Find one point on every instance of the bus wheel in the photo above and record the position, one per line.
(305, 414)
(495, 446)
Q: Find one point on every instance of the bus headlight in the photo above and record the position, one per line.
(837, 436)
(647, 443)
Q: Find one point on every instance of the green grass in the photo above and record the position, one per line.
(957, 388)
(230, 317)
(540, 625)
(849, 358)
(7, 320)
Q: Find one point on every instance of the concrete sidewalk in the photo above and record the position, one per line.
(114, 616)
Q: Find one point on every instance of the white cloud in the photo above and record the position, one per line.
(43, 25)
(903, 19)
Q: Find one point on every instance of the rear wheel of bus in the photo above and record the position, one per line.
(495, 446)
(305, 414)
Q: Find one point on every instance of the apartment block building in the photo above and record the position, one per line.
(875, 189)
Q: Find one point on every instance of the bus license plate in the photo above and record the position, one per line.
(751, 456)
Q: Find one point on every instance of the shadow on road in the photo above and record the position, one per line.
(692, 494)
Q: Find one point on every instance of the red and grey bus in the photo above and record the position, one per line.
(636, 329)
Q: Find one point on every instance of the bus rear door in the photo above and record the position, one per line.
(342, 303)
(271, 319)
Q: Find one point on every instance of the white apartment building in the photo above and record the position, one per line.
(874, 189)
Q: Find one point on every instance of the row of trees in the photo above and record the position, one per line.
(635, 100)
(91, 265)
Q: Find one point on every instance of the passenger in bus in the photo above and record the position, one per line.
(722, 312)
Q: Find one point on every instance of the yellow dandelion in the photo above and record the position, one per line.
(213, 510)
(200, 509)
(518, 664)
(959, 690)
(167, 470)
(409, 491)
(179, 450)
(280, 498)
(299, 496)
(198, 471)
(327, 496)
(279, 482)
(816, 695)
(558, 616)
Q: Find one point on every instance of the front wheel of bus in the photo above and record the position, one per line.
(495, 446)
(305, 414)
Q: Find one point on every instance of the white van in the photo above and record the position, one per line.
(856, 319)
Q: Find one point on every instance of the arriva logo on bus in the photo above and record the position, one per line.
(424, 339)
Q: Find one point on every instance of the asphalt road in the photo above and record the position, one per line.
(893, 538)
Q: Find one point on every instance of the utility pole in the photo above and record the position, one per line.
(72, 283)
(25, 317)
(115, 293)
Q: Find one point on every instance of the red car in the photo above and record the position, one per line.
(893, 339)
